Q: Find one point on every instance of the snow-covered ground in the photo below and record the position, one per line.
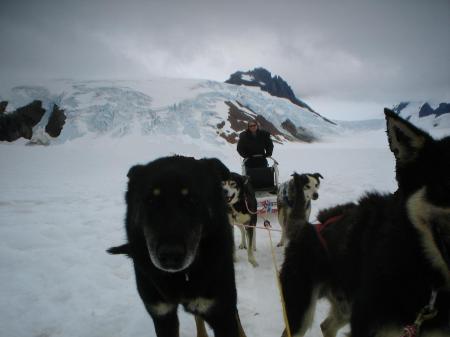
(61, 206)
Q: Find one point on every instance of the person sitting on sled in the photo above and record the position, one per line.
(255, 145)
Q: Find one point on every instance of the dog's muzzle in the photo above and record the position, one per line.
(173, 254)
(171, 257)
(315, 196)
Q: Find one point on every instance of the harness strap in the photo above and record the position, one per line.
(321, 226)
(248, 208)
(426, 313)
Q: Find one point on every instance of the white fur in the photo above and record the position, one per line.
(238, 219)
(162, 308)
(200, 305)
(421, 213)
(310, 192)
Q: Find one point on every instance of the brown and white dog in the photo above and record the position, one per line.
(287, 195)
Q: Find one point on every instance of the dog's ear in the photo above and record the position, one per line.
(405, 140)
(135, 170)
(300, 179)
(217, 166)
(317, 175)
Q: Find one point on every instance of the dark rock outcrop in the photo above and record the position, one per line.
(298, 132)
(3, 105)
(239, 116)
(20, 122)
(260, 77)
(276, 86)
(427, 110)
(55, 122)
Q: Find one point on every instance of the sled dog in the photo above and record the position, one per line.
(384, 260)
(309, 190)
(242, 212)
(181, 244)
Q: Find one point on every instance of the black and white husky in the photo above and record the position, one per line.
(287, 195)
(385, 259)
(242, 211)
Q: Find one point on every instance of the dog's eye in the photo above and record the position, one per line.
(150, 199)
(307, 187)
(153, 195)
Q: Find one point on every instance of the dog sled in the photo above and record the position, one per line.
(264, 181)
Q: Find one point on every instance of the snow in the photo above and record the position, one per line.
(159, 106)
(247, 77)
(438, 126)
(61, 206)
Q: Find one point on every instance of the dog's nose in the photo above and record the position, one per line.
(171, 256)
(315, 196)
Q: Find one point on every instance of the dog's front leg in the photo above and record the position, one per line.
(281, 218)
(165, 325)
(243, 244)
(226, 325)
(250, 250)
(201, 329)
(163, 313)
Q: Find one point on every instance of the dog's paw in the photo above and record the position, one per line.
(242, 246)
(253, 262)
(280, 244)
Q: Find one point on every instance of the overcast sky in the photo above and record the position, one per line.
(370, 53)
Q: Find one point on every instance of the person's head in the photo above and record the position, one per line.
(252, 126)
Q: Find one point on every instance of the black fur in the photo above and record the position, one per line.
(375, 271)
(175, 205)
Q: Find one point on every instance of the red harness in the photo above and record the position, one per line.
(321, 226)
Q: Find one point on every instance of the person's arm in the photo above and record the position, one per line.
(269, 146)
(241, 148)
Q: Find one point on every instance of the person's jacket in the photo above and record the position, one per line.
(258, 144)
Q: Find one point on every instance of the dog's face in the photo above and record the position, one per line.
(308, 183)
(311, 188)
(423, 175)
(171, 206)
(233, 187)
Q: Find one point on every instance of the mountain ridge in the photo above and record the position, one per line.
(192, 107)
(274, 85)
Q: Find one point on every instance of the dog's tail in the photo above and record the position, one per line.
(123, 249)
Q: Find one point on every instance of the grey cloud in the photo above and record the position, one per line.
(350, 49)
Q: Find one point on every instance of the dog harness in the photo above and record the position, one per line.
(319, 227)
(428, 312)
(285, 197)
